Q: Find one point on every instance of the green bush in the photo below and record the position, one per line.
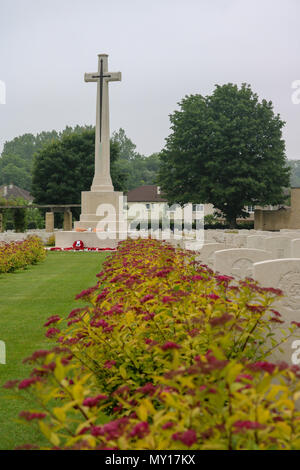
(17, 255)
(51, 241)
(20, 220)
(32, 225)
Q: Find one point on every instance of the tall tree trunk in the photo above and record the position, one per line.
(231, 220)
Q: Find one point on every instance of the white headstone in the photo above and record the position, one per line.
(282, 274)
(206, 255)
(280, 247)
(240, 241)
(256, 241)
(295, 248)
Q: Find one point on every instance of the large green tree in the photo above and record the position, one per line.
(295, 172)
(225, 149)
(17, 158)
(65, 167)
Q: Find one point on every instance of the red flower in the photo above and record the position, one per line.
(273, 291)
(248, 425)
(219, 321)
(296, 323)
(263, 366)
(164, 272)
(167, 299)
(168, 425)
(197, 277)
(194, 332)
(86, 293)
(224, 279)
(75, 312)
(146, 298)
(148, 317)
(243, 376)
(93, 401)
(27, 447)
(148, 389)
(140, 430)
(52, 332)
(109, 364)
(276, 313)
(170, 345)
(36, 355)
(75, 320)
(10, 384)
(27, 382)
(256, 308)
(277, 320)
(151, 342)
(96, 431)
(30, 416)
(101, 296)
(213, 296)
(188, 438)
(99, 323)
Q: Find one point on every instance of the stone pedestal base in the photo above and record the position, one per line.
(102, 223)
(67, 221)
(49, 222)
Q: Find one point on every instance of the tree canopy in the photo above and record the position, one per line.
(140, 170)
(16, 162)
(134, 169)
(65, 167)
(225, 149)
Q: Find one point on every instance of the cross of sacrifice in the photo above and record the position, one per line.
(102, 179)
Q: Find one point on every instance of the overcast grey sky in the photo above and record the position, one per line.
(165, 50)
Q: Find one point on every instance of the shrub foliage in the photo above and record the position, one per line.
(17, 255)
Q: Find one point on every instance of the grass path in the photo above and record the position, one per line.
(27, 299)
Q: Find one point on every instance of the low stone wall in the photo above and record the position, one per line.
(11, 236)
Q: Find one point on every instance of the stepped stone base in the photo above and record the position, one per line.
(101, 208)
(102, 217)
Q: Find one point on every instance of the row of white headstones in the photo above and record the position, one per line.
(272, 258)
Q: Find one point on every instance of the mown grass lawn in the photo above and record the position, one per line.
(27, 299)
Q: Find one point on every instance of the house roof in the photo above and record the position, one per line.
(12, 192)
(148, 193)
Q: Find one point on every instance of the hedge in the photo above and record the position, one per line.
(18, 255)
(171, 355)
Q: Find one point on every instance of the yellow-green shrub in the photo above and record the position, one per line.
(16, 255)
(163, 338)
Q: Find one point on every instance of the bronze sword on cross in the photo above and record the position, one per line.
(100, 77)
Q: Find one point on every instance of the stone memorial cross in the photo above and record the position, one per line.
(102, 179)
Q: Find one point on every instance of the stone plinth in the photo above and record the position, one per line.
(49, 222)
(102, 210)
(68, 221)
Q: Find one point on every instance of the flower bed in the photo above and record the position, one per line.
(174, 353)
(18, 255)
